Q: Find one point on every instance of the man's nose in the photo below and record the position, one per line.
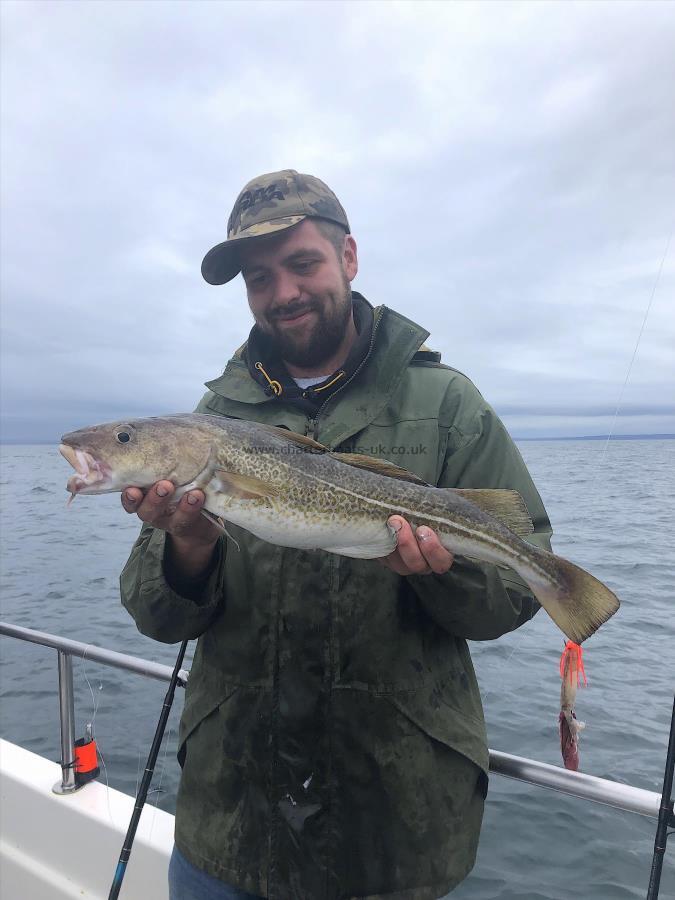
(286, 288)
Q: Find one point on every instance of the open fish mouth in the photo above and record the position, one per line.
(91, 475)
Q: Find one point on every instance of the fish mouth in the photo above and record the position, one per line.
(92, 476)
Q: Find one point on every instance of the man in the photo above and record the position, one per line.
(332, 742)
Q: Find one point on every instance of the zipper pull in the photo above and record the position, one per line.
(309, 427)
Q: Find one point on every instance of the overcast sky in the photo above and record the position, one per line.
(508, 170)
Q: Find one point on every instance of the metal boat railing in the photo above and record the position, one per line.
(576, 784)
(67, 649)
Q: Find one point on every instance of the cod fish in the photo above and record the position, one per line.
(290, 490)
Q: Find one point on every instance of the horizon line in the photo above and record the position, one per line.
(17, 442)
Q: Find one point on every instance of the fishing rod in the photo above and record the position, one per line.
(666, 816)
(147, 778)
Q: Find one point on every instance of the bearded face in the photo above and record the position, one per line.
(310, 330)
(299, 292)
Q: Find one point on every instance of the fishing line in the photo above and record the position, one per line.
(138, 770)
(95, 703)
(161, 774)
(107, 786)
(506, 661)
(159, 787)
(158, 790)
(501, 665)
(635, 350)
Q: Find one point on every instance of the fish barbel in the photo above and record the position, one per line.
(289, 490)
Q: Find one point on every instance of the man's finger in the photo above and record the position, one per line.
(131, 497)
(187, 512)
(408, 548)
(393, 562)
(437, 557)
(157, 502)
(192, 501)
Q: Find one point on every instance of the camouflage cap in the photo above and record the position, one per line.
(268, 204)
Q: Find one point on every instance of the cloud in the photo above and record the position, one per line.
(507, 170)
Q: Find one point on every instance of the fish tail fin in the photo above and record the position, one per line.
(576, 601)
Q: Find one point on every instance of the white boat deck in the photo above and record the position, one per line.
(54, 847)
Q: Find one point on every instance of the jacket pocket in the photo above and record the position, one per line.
(443, 717)
(199, 704)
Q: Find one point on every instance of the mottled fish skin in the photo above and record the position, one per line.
(326, 500)
(290, 491)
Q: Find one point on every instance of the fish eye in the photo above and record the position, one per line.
(123, 437)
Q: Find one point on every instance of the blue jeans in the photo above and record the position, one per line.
(187, 882)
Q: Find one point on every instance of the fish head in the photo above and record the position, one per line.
(135, 453)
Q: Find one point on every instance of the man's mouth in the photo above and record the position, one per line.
(291, 317)
(90, 472)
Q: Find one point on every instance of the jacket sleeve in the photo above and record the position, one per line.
(476, 600)
(159, 610)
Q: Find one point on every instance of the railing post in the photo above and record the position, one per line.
(67, 715)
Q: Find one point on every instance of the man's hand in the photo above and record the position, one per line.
(416, 554)
(193, 537)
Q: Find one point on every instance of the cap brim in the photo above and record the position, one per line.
(221, 263)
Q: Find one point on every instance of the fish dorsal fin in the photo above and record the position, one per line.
(378, 466)
(507, 506)
(301, 440)
(358, 460)
(243, 487)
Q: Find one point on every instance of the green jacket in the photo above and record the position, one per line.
(332, 741)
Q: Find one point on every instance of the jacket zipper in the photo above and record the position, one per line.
(312, 425)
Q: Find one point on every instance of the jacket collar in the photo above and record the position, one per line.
(265, 366)
(394, 341)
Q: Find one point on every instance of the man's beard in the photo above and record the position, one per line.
(310, 348)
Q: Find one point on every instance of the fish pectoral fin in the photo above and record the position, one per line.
(244, 487)
(378, 466)
(506, 506)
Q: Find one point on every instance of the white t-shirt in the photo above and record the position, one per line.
(308, 382)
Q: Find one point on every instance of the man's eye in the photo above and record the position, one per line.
(304, 266)
(256, 281)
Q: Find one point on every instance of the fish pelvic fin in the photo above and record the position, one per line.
(506, 506)
(220, 525)
(576, 601)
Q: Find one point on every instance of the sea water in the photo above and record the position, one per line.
(613, 512)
